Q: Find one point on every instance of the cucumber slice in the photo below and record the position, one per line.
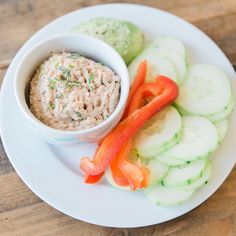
(200, 139)
(170, 43)
(170, 161)
(222, 127)
(159, 133)
(166, 196)
(186, 174)
(224, 113)
(201, 181)
(157, 65)
(157, 171)
(205, 91)
(113, 183)
(152, 153)
(178, 61)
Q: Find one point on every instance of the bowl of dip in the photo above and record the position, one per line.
(72, 89)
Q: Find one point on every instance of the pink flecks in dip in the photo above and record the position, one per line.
(71, 92)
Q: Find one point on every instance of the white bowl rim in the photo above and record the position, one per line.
(124, 92)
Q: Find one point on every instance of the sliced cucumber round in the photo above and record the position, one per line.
(199, 139)
(201, 181)
(152, 153)
(166, 196)
(224, 113)
(205, 91)
(186, 174)
(113, 183)
(159, 133)
(157, 171)
(178, 61)
(157, 65)
(170, 161)
(170, 43)
(222, 127)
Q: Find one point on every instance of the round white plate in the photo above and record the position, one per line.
(53, 173)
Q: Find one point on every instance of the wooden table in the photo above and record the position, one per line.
(22, 213)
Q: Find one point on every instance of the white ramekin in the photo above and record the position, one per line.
(89, 47)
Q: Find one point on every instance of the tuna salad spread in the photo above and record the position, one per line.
(71, 92)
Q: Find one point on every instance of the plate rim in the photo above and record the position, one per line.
(4, 142)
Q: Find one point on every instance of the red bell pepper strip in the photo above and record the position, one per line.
(132, 173)
(151, 89)
(92, 179)
(125, 130)
(117, 175)
(139, 80)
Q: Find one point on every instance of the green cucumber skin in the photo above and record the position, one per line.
(172, 164)
(205, 181)
(215, 117)
(153, 183)
(184, 183)
(225, 129)
(222, 114)
(167, 145)
(163, 203)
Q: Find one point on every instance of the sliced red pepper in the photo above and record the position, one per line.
(92, 179)
(117, 175)
(126, 129)
(132, 173)
(151, 89)
(136, 174)
(139, 80)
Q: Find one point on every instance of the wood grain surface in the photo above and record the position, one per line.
(24, 214)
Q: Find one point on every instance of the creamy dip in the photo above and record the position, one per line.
(71, 92)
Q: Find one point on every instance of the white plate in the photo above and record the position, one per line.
(53, 173)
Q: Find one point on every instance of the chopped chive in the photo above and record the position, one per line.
(66, 72)
(90, 79)
(51, 105)
(57, 64)
(79, 115)
(73, 83)
(74, 56)
(59, 96)
(61, 77)
(70, 66)
(63, 69)
(52, 84)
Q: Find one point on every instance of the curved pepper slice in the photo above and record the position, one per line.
(132, 173)
(139, 80)
(127, 128)
(147, 90)
(92, 179)
(117, 175)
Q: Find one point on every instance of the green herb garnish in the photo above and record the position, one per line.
(79, 115)
(51, 105)
(66, 72)
(71, 66)
(74, 56)
(73, 83)
(52, 84)
(58, 96)
(90, 79)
